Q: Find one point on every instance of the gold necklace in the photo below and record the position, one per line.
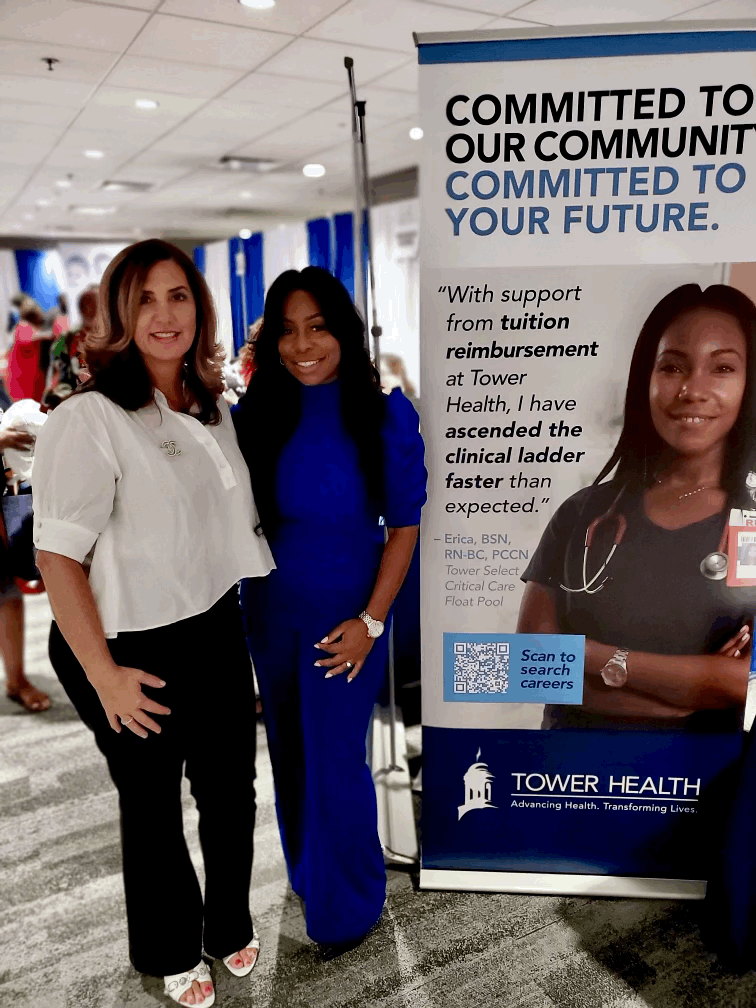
(690, 492)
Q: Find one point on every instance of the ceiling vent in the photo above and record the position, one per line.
(247, 164)
(116, 185)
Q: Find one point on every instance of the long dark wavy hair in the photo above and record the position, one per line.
(113, 360)
(270, 411)
(640, 451)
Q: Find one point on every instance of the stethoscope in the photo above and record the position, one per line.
(713, 566)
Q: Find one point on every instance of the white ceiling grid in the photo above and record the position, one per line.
(229, 80)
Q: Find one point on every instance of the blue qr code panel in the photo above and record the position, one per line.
(481, 667)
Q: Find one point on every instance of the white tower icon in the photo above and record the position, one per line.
(477, 787)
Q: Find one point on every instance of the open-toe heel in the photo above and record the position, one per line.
(241, 971)
(179, 983)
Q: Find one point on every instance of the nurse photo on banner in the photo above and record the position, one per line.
(638, 561)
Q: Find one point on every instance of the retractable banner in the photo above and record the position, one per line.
(589, 402)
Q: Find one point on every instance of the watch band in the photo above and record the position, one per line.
(374, 626)
(614, 673)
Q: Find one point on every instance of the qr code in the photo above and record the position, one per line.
(481, 668)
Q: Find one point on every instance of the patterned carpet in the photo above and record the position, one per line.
(62, 935)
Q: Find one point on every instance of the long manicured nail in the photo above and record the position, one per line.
(324, 641)
(737, 654)
(316, 664)
(328, 675)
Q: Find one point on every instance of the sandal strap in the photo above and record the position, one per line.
(180, 982)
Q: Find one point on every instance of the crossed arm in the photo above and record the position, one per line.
(657, 685)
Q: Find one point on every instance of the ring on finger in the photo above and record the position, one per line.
(128, 721)
(349, 665)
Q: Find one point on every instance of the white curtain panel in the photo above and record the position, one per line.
(394, 232)
(8, 287)
(284, 248)
(219, 282)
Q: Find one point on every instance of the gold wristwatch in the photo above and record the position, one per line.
(614, 673)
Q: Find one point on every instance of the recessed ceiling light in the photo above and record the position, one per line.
(258, 4)
(245, 233)
(146, 103)
(246, 194)
(93, 153)
(416, 133)
(27, 216)
(94, 211)
(64, 183)
(313, 170)
(43, 202)
(16, 227)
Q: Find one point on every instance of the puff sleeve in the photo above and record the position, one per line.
(75, 477)
(405, 476)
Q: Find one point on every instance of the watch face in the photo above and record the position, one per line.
(377, 629)
(614, 674)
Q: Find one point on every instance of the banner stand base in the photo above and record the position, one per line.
(537, 884)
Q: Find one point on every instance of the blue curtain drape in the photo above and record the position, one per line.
(198, 255)
(36, 277)
(248, 252)
(319, 242)
(343, 260)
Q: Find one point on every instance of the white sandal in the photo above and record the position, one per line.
(179, 983)
(241, 971)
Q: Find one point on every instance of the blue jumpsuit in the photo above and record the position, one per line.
(327, 550)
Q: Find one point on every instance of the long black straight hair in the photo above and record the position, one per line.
(640, 450)
(271, 409)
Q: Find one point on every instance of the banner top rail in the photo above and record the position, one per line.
(580, 31)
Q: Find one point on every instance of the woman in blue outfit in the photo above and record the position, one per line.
(330, 456)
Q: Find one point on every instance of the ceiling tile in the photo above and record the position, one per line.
(70, 94)
(508, 22)
(147, 5)
(190, 142)
(557, 12)
(312, 59)
(25, 58)
(19, 133)
(104, 121)
(31, 112)
(719, 9)
(207, 43)
(406, 78)
(65, 22)
(25, 154)
(167, 75)
(390, 23)
(270, 89)
(290, 16)
(168, 104)
(297, 140)
(493, 7)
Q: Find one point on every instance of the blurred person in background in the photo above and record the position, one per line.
(17, 445)
(394, 375)
(25, 377)
(67, 355)
(61, 323)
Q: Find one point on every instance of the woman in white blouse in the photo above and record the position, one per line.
(142, 471)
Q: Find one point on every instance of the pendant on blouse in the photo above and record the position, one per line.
(171, 448)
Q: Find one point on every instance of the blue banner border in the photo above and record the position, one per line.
(584, 46)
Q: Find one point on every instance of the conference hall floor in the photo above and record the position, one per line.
(62, 934)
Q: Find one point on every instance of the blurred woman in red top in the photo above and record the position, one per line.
(25, 379)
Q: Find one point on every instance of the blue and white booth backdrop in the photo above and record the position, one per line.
(570, 180)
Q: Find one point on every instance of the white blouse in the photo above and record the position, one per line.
(165, 500)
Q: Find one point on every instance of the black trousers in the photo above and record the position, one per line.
(210, 735)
